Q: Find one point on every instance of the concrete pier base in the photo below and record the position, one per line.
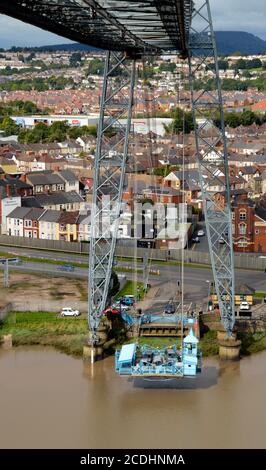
(222, 334)
(93, 353)
(229, 349)
(7, 342)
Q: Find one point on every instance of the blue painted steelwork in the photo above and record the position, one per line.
(145, 361)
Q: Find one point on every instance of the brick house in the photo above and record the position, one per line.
(249, 225)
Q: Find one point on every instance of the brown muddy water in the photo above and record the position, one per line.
(50, 400)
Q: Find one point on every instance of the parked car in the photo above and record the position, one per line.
(201, 233)
(110, 309)
(169, 309)
(119, 305)
(244, 306)
(66, 267)
(195, 240)
(15, 260)
(128, 300)
(69, 312)
(221, 241)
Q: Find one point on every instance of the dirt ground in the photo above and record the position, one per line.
(36, 288)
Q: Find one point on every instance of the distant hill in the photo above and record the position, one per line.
(74, 46)
(228, 42)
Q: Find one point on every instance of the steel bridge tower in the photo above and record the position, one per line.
(110, 160)
(143, 28)
(212, 158)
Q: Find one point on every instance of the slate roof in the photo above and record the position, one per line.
(261, 212)
(34, 214)
(58, 198)
(44, 178)
(68, 175)
(19, 212)
(30, 201)
(15, 183)
(50, 215)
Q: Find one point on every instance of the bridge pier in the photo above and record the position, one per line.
(93, 352)
(229, 349)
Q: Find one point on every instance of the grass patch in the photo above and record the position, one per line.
(130, 288)
(209, 344)
(69, 344)
(47, 329)
(259, 295)
(83, 294)
(252, 343)
(155, 342)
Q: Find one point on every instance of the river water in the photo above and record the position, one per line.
(50, 400)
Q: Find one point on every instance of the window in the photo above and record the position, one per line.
(242, 243)
(242, 215)
(242, 229)
(233, 216)
(257, 232)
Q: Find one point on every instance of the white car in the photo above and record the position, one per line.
(118, 305)
(244, 306)
(201, 233)
(69, 312)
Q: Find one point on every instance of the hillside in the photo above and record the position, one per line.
(228, 42)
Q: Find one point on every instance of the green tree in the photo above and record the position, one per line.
(182, 121)
(232, 119)
(248, 118)
(9, 126)
(95, 67)
(240, 64)
(75, 59)
(167, 67)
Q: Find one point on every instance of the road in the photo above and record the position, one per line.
(196, 285)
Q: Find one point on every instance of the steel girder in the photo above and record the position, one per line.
(212, 159)
(108, 179)
(139, 26)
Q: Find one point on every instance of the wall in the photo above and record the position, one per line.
(126, 248)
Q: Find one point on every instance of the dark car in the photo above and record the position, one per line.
(66, 267)
(169, 309)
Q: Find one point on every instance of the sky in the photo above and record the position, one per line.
(228, 15)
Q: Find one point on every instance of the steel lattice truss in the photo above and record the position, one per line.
(131, 29)
(139, 26)
(109, 173)
(212, 160)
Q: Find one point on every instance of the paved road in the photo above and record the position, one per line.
(196, 287)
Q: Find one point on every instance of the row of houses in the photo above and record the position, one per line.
(47, 224)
